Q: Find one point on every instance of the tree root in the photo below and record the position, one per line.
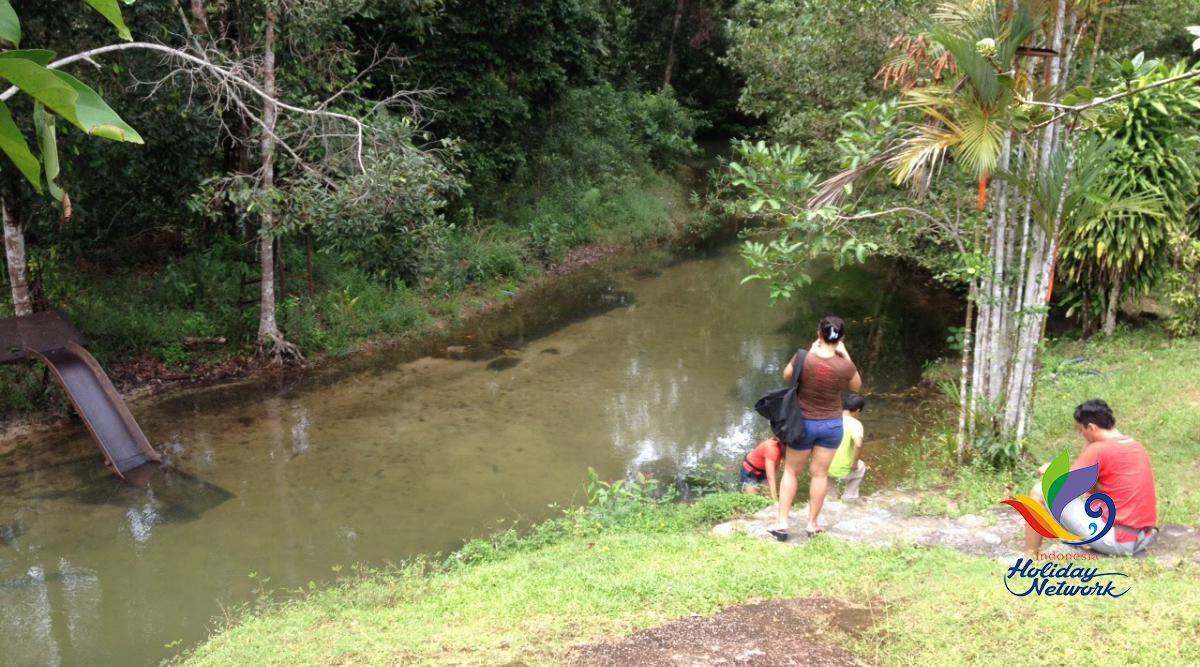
(279, 349)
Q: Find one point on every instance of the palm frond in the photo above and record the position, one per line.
(978, 69)
(1020, 28)
(922, 150)
(981, 137)
(962, 12)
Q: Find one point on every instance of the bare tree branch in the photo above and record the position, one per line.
(225, 75)
(1067, 109)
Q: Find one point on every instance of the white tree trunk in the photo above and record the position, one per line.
(269, 335)
(670, 68)
(996, 349)
(963, 390)
(1041, 258)
(14, 254)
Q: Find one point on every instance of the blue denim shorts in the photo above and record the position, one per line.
(752, 478)
(821, 433)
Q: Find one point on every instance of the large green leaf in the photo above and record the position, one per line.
(111, 10)
(39, 56)
(48, 147)
(94, 116)
(40, 83)
(66, 96)
(13, 143)
(10, 25)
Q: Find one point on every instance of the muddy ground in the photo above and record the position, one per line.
(778, 633)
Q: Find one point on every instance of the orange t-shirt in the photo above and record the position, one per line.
(770, 450)
(821, 384)
(1125, 475)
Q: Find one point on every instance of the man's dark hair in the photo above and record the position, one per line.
(854, 403)
(1095, 412)
(832, 329)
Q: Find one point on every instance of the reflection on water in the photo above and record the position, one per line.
(649, 369)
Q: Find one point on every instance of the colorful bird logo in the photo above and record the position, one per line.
(1061, 485)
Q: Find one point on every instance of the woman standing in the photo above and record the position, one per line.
(826, 371)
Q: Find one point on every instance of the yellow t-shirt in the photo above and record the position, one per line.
(851, 429)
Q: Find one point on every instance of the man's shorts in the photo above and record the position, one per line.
(1075, 519)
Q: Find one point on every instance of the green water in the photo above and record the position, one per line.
(649, 364)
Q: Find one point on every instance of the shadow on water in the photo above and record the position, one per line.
(172, 495)
(536, 312)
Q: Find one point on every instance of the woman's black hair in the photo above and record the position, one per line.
(832, 330)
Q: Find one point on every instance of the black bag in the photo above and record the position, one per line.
(781, 407)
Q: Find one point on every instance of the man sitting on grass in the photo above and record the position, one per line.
(1124, 474)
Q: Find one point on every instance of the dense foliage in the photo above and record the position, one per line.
(523, 130)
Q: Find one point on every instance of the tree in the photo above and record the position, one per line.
(323, 146)
(55, 94)
(1155, 136)
(799, 72)
(1001, 113)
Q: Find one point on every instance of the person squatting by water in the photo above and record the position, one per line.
(762, 465)
(1124, 474)
(827, 369)
(847, 466)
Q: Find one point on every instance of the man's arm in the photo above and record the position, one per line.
(773, 479)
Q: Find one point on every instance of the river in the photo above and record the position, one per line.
(648, 363)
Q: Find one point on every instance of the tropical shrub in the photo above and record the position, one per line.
(1156, 146)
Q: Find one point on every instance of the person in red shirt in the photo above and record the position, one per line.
(1124, 474)
(761, 465)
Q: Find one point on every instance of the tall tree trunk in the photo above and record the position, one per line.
(308, 263)
(14, 254)
(1000, 258)
(679, 7)
(1036, 271)
(962, 378)
(200, 16)
(269, 336)
(1110, 311)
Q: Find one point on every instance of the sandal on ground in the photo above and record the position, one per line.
(814, 533)
(781, 535)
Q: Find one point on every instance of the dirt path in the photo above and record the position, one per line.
(887, 518)
(767, 634)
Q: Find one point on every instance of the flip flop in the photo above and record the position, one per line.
(781, 535)
(814, 533)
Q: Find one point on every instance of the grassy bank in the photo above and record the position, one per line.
(626, 562)
(1152, 384)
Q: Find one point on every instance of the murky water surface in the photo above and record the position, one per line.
(644, 365)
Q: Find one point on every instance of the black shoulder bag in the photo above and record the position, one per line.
(781, 407)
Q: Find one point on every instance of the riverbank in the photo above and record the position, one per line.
(626, 563)
(147, 358)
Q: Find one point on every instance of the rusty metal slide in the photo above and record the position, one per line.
(100, 406)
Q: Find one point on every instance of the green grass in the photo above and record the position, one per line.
(1153, 386)
(937, 607)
